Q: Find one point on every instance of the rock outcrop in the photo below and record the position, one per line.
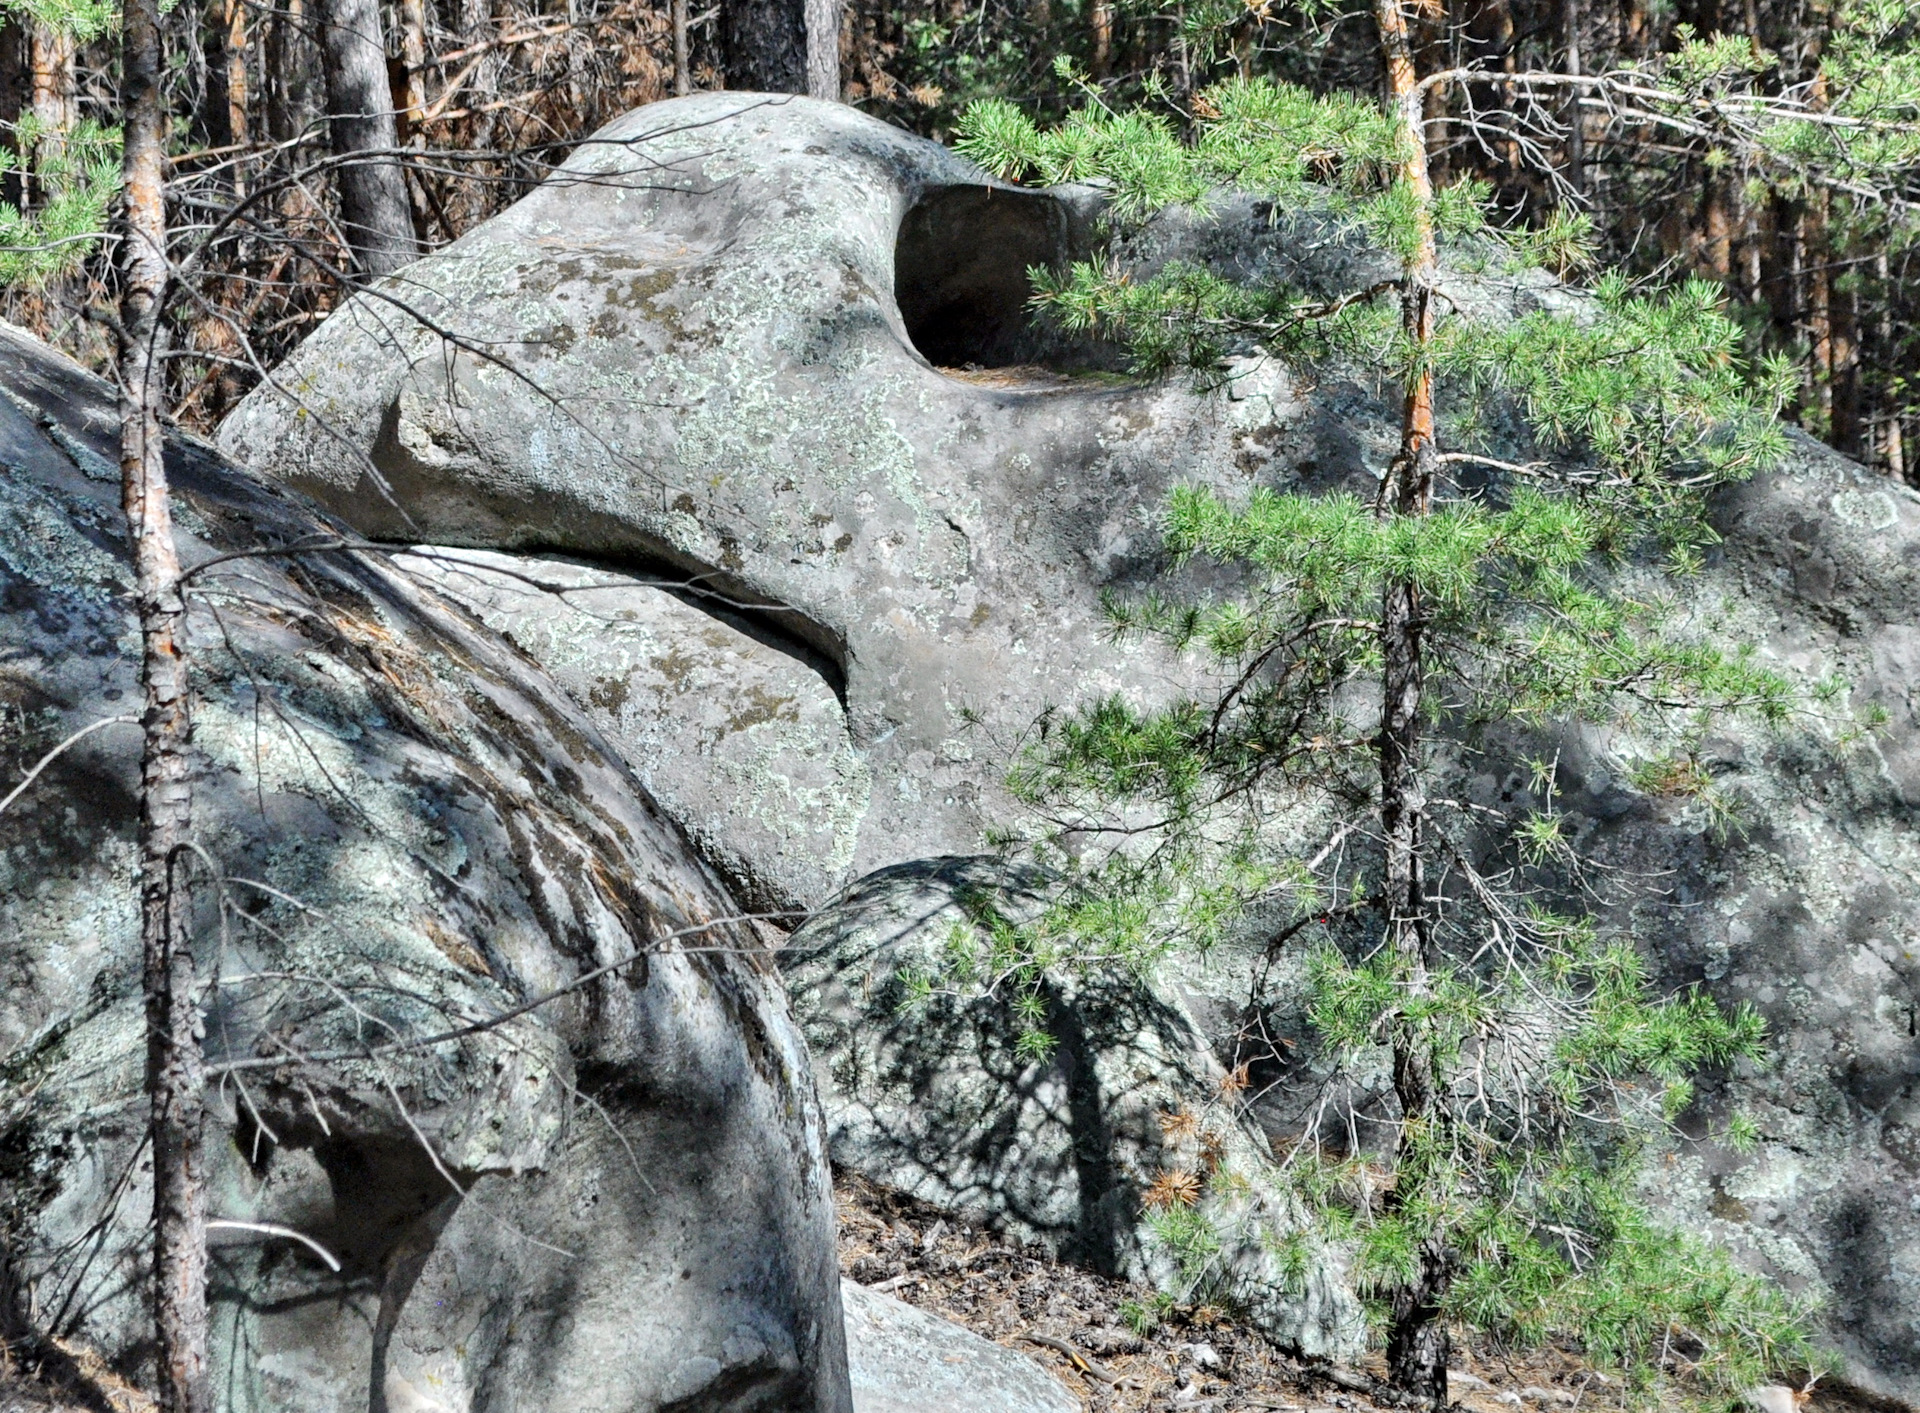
(938, 1101)
(705, 351)
(619, 1200)
(905, 1360)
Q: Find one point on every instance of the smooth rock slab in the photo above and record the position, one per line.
(903, 1360)
(739, 739)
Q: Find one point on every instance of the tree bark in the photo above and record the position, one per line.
(783, 46)
(236, 56)
(374, 209)
(1576, 116)
(823, 19)
(1417, 1346)
(409, 92)
(176, 1077)
(1819, 309)
(1893, 448)
(682, 52)
(290, 55)
(55, 93)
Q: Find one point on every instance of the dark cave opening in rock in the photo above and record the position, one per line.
(960, 278)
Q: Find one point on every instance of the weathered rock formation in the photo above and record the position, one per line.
(616, 1201)
(705, 352)
(904, 1360)
(938, 1099)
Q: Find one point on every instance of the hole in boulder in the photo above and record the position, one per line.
(960, 278)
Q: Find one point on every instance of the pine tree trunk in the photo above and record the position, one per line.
(1819, 314)
(409, 92)
(1576, 115)
(1716, 239)
(1893, 450)
(374, 209)
(1102, 38)
(1417, 1343)
(290, 65)
(236, 57)
(783, 46)
(176, 1077)
(55, 92)
(682, 53)
(1846, 374)
(823, 49)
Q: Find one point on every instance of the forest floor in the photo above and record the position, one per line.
(1199, 1360)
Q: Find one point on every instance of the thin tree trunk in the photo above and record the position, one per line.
(682, 54)
(1819, 315)
(1576, 115)
(1417, 1343)
(766, 45)
(1102, 38)
(1892, 445)
(374, 208)
(236, 57)
(176, 1077)
(477, 26)
(55, 93)
(1716, 239)
(823, 18)
(290, 66)
(409, 94)
(54, 99)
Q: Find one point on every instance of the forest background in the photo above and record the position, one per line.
(488, 95)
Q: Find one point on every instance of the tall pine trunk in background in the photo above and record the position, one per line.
(682, 51)
(1576, 118)
(1417, 1336)
(783, 46)
(55, 87)
(373, 188)
(176, 1077)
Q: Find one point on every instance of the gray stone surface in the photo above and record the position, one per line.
(419, 829)
(903, 1360)
(696, 349)
(936, 1100)
(741, 742)
(684, 355)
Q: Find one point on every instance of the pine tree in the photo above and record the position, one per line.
(1530, 1058)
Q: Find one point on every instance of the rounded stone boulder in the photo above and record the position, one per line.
(428, 1192)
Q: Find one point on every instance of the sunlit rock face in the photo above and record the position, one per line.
(694, 356)
(729, 346)
(616, 1201)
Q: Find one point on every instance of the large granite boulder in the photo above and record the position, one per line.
(937, 1099)
(737, 737)
(615, 1201)
(904, 1360)
(694, 356)
(706, 352)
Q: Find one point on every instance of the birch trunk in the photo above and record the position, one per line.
(176, 1079)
